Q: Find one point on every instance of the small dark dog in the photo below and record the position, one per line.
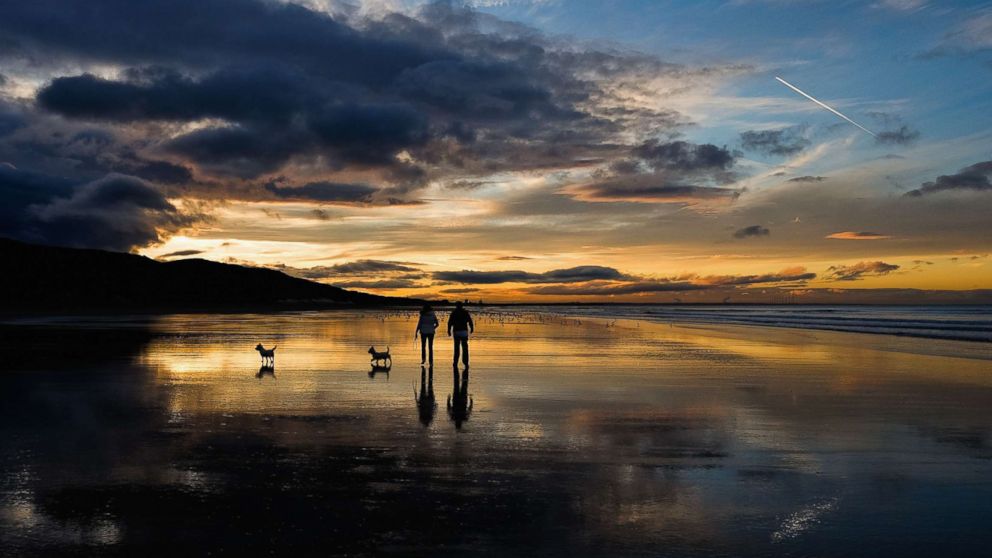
(380, 357)
(267, 354)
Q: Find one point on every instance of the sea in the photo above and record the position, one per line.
(962, 323)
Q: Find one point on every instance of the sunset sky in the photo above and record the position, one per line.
(551, 150)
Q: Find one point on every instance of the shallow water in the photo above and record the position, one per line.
(129, 436)
(957, 322)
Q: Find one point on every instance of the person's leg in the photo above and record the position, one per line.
(423, 348)
(430, 347)
(465, 350)
(454, 361)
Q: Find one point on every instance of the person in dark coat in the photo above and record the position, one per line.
(460, 323)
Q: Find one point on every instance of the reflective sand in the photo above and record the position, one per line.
(163, 435)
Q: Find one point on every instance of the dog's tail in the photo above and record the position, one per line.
(273, 347)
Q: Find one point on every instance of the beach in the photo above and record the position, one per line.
(579, 435)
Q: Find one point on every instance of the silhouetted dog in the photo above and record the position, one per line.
(377, 356)
(267, 354)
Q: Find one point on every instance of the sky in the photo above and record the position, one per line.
(555, 150)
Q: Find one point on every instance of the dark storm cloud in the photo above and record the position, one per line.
(904, 135)
(975, 178)
(570, 275)
(324, 192)
(216, 98)
(684, 156)
(860, 270)
(206, 33)
(280, 113)
(369, 133)
(11, 119)
(258, 94)
(481, 91)
(752, 231)
(240, 151)
(21, 190)
(452, 89)
(116, 212)
(808, 179)
(163, 171)
(784, 142)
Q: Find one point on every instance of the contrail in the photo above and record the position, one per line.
(824, 105)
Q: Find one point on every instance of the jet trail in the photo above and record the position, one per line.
(824, 105)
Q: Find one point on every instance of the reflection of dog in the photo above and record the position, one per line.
(266, 370)
(380, 369)
(380, 357)
(267, 354)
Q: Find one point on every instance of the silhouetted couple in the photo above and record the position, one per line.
(459, 326)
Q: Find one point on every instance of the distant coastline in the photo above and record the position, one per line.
(42, 279)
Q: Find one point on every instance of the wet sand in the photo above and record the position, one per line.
(585, 438)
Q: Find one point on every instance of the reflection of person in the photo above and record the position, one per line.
(461, 323)
(426, 403)
(426, 327)
(459, 402)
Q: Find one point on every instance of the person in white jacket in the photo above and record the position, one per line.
(426, 327)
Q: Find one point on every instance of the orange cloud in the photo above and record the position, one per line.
(852, 235)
